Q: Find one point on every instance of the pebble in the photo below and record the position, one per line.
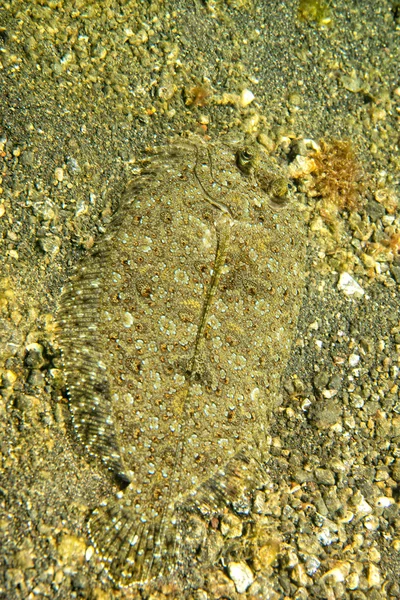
(51, 245)
(384, 501)
(24, 559)
(374, 576)
(27, 158)
(338, 573)
(352, 83)
(71, 548)
(231, 526)
(375, 210)
(361, 506)
(325, 476)
(89, 553)
(269, 553)
(301, 167)
(371, 522)
(312, 565)
(59, 174)
(299, 575)
(354, 359)
(241, 575)
(396, 471)
(246, 98)
(395, 270)
(349, 286)
(8, 378)
(34, 356)
(221, 586)
(352, 581)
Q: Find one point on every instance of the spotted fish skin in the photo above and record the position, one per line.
(175, 331)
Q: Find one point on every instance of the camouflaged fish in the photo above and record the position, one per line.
(174, 332)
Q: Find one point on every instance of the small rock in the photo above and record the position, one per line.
(269, 553)
(361, 506)
(396, 544)
(290, 560)
(352, 83)
(353, 581)
(308, 544)
(8, 378)
(15, 578)
(241, 575)
(24, 559)
(354, 359)
(259, 503)
(375, 210)
(246, 98)
(301, 594)
(395, 473)
(325, 476)
(332, 501)
(42, 590)
(395, 271)
(349, 286)
(221, 586)
(71, 548)
(98, 594)
(371, 522)
(301, 166)
(338, 573)
(79, 582)
(167, 88)
(34, 356)
(327, 413)
(231, 526)
(266, 141)
(59, 174)
(338, 465)
(89, 553)
(374, 576)
(384, 501)
(299, 575)
(329, 393)
(312, 565)
(302, 476)
(51, 245)
(321, 380)
(27, 158)
(36, 378)
(72, 165)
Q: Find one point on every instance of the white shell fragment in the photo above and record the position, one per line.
(349, 286)
(246, 98)
(241, 575)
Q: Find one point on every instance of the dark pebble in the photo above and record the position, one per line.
(375, 210)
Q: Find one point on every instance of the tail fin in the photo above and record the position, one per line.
(134, 549)
(138, 545)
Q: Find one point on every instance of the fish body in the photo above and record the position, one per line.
(175, 331)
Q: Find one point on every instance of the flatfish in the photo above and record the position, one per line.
(174, 331)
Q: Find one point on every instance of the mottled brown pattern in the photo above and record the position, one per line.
(175, 331)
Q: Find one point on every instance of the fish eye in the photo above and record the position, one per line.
(277, 189)
(245, 160)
